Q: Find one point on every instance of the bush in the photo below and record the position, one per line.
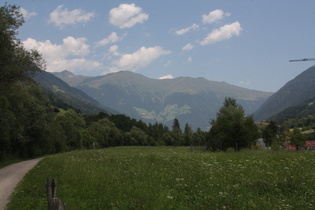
(275, 146)
(230, 150)
(257, 147)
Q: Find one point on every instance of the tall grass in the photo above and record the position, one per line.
(172, 178)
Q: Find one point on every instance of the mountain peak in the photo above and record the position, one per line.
(65, 73)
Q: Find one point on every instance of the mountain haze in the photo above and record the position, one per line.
(293, 93)
(191, 100)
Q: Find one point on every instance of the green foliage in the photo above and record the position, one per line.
(230, 150)
(277, 144)
(232, 128)
(138, 137)
(23, 107)
(302, 110)
(188, 135)
(16, 63)
(297, 139)
(24, 116)
(270, 132)
(172, 178)
(176, 125)
(306, 122)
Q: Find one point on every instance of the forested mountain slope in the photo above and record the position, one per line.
(61, 94)
(304, 109)
(293, 93)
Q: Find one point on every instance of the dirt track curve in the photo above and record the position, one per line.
(10, 176)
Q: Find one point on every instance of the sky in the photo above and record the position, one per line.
(247, 43)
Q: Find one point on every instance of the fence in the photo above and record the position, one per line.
(54, 203)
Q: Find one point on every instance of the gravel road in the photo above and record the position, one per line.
(10, 177)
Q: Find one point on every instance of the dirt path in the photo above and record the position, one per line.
(10, 177)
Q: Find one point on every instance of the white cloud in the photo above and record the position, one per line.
(26, 14)
(189, 59)
(112, 38)
(68, 55)
(127, 15)
(214, 16)
(139, 59)
(188, 47)
(114, 50)
(73, 65)
(169, 76)
(185, 30)
(223, 33)
(62, 17)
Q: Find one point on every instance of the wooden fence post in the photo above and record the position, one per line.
(54, 203)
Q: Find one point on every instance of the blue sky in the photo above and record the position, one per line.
(247, 43)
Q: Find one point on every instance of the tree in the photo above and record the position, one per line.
(167, 139)
(270, 132)
(16, 63)
(251, 131)
(188, 135)
(138, 136)
(231, 128)
(23, 108)
(297, 138)
(177, 133)
(176, 124)
(72, 125)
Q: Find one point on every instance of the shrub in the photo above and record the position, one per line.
(230, 150)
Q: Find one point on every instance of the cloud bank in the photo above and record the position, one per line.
(68, 55)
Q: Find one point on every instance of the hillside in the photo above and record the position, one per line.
(304, 109)
(191, 100)
(293, 93)
(61, 94)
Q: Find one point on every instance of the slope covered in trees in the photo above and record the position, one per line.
(293, 93)
(304, 109)
(61, 95)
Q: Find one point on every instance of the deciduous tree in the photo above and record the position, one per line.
(231, 128)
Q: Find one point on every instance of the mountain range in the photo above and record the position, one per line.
(191, 100)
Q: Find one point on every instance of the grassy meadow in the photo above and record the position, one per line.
(172, 178)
